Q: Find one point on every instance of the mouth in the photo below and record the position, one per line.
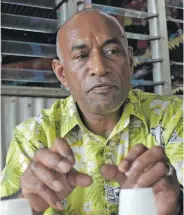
(101, 87)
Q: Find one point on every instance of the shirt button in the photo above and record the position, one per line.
(112, 144)
(108, 143)
(109, 154)
(101, 152)
(108, 161)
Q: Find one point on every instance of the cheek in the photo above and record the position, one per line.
(77, 66)
(78, 74)
(75, 84)
(123, 72)
(73, 76)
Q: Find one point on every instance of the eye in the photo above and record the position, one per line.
(82, 56)
(112, 52)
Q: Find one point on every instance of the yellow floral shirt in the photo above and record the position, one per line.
(147, 118)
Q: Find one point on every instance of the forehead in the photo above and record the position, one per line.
(88, 27)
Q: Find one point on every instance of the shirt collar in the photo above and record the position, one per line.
(134, 98)
(131, 107)
(70, 116)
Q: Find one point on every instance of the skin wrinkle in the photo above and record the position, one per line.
(58, 49)
(95, 54)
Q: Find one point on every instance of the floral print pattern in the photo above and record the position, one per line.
(87, 207)
(147, 118)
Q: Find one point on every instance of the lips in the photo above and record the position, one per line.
(101, 87)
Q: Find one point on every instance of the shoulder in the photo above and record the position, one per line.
(43, 122)
(163, 113)
(157, 104)
(141, 96)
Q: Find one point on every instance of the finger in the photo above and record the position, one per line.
(162, 185)
(111, 172)
(61, 147)
(52, 160)
(79, 179)
(35, 186)
(46, 176)
(124, 166)
(33, 200)
(67, 188)
(146, 160)
(133, 154)
(152, 175)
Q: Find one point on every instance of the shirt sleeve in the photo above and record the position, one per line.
(26, 141)
(174, 151)
(174, 144)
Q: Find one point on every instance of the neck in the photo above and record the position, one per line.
(100, 124)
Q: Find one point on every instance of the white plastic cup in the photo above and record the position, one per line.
(15, 207)
(139, 201)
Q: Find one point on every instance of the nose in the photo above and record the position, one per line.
(97, 64)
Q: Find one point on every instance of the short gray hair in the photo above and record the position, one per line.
(58, 49)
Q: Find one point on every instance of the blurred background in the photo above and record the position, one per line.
(28, 31)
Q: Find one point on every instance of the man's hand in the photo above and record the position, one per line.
(145, 167)
(50, 178)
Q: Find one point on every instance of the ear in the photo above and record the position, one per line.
(131, 58)
(57, 66)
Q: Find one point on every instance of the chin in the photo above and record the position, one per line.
(104, 104)
(103, 108)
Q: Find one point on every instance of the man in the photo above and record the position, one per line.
(73, 158)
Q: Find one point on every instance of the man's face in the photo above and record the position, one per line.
(96, 63)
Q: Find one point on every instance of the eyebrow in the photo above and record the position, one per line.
(77, 47)
(107, 42)
(111, 41)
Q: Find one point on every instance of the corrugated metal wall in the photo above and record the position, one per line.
(15, 110)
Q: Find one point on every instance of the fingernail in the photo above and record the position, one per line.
(64, 167)
(130, 173)
(124, 166)
(57, 185)
(59, 205)
(132, 169)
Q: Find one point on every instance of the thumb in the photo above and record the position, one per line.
(79, 179)
(111, 172)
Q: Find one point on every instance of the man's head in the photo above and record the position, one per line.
(95, 62)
